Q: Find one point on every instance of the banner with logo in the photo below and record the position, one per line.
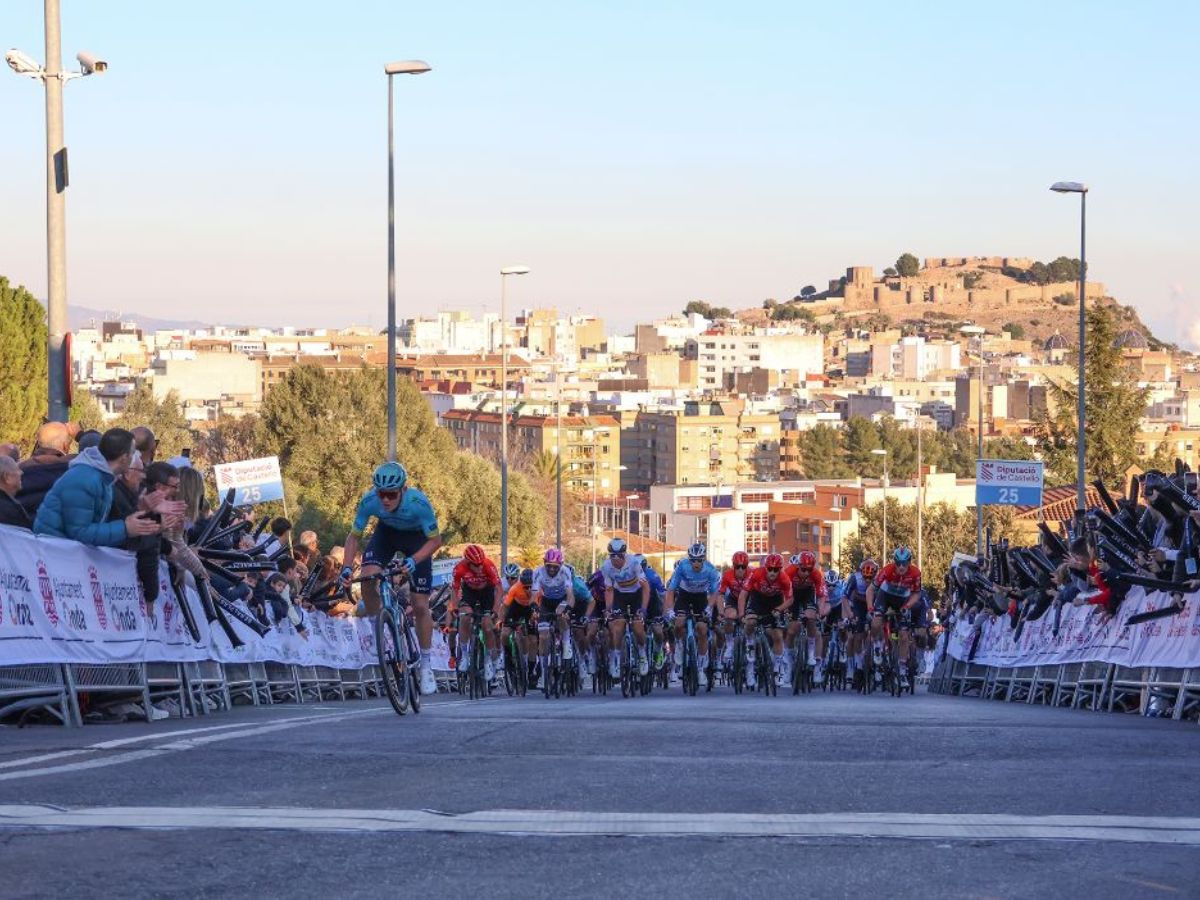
(1086, 634)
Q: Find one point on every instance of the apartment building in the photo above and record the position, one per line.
(591, 445)
(719, 357)
(705, 442)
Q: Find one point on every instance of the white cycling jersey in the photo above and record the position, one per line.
(554, 587)
(627, 579)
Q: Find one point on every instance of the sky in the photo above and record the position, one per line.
(231, 163)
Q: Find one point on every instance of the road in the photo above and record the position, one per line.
(714, 796)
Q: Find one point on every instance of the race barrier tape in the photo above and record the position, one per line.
(62, 602)
(1085, 634)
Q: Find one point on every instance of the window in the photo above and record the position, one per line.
(755, 498)
(794, 495)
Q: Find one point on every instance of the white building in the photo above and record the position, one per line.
(721, 355)
(913, 358)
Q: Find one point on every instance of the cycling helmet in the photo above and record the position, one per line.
(902, 555)
(794, 559)
(391, 476)
(697, 551)
(773, 561)
(616, 546)
(553, 557)
(741, 559)
(645, 564)
(869, 567)
(512, 572)
(474, 555)
(596, 580)
(527, 577)
(832, 578)
(807, 560)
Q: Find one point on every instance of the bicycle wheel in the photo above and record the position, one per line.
(739, 663)
(393, 666)
(479, 665)
(689, 667)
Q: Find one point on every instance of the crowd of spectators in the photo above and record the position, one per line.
(110, 490)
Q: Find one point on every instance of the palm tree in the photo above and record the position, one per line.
(544, 465)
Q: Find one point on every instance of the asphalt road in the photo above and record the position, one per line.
(714, 796)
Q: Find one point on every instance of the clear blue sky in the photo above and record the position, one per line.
(636, 155)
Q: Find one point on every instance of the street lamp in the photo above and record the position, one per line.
(403, 67)
(504, 273)
(1074, 187)
(978, 333)
(53, 78)
(879, 451)
(628, 499)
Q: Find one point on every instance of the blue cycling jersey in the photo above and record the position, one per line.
(415, 513)
(583, 594)
(837, 593)
(857, 586)
(656, 583)
(685, 578)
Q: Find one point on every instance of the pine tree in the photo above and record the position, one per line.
(23, 367)
(1114, 405)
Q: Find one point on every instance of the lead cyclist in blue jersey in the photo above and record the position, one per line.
(695, 587)
(405, 523)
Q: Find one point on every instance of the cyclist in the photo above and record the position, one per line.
(511, 575)
(857, 586)
(595, 584)
(808, 588)
(552, 595)
(405, 523)
(766, 594)
(626, 599)
(477, 594)
(518, 616)
(582, 612)
(733, 580)
(694, 588)
(897, 586)
(654, 612)
(834, 610)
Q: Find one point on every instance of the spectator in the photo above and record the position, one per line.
(280, 534)
(45, 466)
(12, 451)
(145, 443)
(11, 511)
(127, 489)
(89, 438)
(191, 493)
(310, 541)
(78, 504)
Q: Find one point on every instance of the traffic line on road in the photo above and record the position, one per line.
(172, 744)
(1178, 831)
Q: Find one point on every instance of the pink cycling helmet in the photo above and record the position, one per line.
(553, 557)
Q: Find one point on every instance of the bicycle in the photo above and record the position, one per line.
(764, 661)
(516, 665)
(691, 658)
(473, 682)
(602, 679)
(835, 660)
(396, 645)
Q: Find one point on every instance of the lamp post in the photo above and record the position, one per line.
(628, 499)
(504, 273)
(920, 499)
(557, 455)
(53, 78)
(403, 67)
(881, 452)
(667, 526)
(977, 332)
(1074, 187)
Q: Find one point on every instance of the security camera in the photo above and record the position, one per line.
(90, 64)
(21, 63)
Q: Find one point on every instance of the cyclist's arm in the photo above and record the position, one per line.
(608, 598)
(669, 599)
(498, 605)
(742, 603)
(645, 593)
(870, 601)
(350, 549)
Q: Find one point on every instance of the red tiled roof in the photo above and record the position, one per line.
(1058, 504)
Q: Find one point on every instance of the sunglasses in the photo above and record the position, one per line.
(388, 495)
(739, 568)
(774, 569)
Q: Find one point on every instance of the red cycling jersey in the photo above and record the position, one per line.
(730, 583)
(757, 583)
(910, 580)
(476, 581)
(814, 578)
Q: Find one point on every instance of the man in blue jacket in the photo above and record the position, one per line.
(77, 505)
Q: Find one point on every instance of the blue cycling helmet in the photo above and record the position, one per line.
(697, 551)
(391, 476)
(512, 572)
(832, 578)
(902, 555)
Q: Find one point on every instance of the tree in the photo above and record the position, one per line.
(1016, 329)
(1008, 448)
(164, 417)
(1113, 406)
(807, 291)
(1163, 459)
(86, 411)
(770, 303)
(790, 313)
(822, 453)
(231, 440)
(23, 384)
(907, 265)
(860, 439)
(890, 271)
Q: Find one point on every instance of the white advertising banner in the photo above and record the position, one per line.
(1086, 634)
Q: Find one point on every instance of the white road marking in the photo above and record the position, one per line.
(1178, 831)
(173, 745)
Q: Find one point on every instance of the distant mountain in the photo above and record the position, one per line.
(83, 316)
